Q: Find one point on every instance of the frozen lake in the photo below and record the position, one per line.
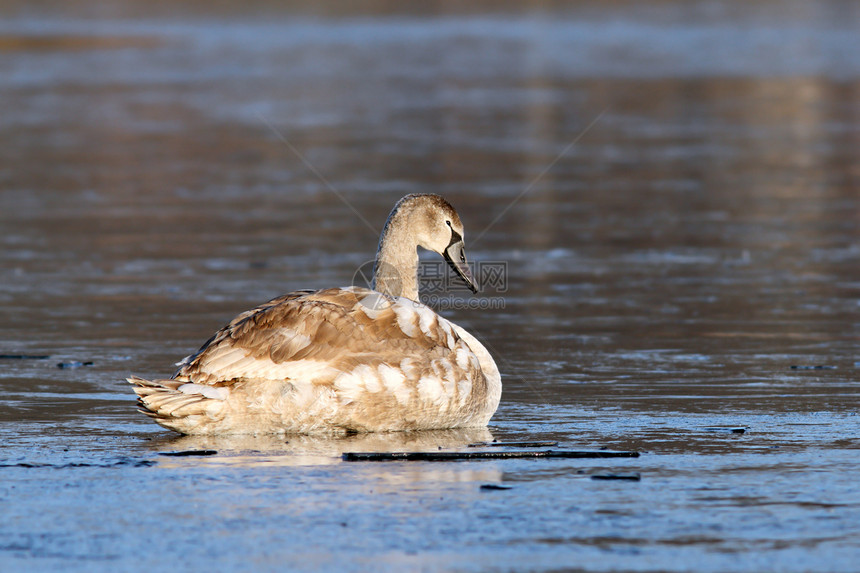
(671, 188)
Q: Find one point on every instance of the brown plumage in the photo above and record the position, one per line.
(341, 359)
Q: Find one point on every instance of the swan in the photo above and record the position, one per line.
(341, 360)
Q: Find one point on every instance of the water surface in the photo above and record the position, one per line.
(672, 189)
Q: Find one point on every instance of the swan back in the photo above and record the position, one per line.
(347, 359)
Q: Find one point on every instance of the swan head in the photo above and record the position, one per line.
(441, 231)
(433, 224)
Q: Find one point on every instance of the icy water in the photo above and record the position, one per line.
(671, 188)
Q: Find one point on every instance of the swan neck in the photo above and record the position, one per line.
(395, 271)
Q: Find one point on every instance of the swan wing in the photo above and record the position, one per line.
(320, 336)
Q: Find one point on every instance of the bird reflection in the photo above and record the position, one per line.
(293, 450)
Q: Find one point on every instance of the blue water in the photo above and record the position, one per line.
(670, 188)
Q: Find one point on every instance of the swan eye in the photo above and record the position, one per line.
(448, 223)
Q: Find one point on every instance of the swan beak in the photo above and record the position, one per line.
(455, 254)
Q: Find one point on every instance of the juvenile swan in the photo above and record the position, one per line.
(341, 359)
